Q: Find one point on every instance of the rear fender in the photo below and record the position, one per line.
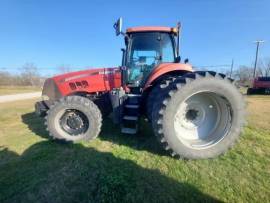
(166, 69)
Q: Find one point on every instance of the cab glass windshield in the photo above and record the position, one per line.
(146, 51)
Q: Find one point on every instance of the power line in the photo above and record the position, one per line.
(214, 66)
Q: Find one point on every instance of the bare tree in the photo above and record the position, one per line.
(244, 75)
(264, 67)
(5, 78)
(30, 75)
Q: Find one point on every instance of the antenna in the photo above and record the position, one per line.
(178, 37)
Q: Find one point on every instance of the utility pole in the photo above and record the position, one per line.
(256, 57)
(231, 68)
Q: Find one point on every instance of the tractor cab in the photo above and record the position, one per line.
(145, 51)
(147, 48)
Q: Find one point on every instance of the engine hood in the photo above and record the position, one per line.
(87, 81)
(83, 73)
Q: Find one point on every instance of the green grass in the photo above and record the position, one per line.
(4, 90)
(120, 168)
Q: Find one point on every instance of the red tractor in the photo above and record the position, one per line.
(261, 85)
(194, 114)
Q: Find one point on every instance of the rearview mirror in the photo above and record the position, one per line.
(186, 61)
(118, 26)
(178, 59)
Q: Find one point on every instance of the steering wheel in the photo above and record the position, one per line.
(135, 59)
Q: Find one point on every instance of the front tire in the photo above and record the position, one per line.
(200, 116)
(73, 118)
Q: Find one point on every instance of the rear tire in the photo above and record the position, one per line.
(73, 118)
(200, 116)
(155, 93)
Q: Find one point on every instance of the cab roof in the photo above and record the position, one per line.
(151, 29)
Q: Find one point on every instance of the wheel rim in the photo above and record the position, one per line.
(74, 122)
(202, 120)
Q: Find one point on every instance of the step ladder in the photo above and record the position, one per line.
(130, 119)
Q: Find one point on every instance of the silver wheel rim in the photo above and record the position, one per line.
(60, 130)
(202, 120)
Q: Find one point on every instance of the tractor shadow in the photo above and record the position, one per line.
(143, 141)
(35, 124)
(52, 172)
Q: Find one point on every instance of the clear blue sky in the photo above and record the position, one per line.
(51, 33)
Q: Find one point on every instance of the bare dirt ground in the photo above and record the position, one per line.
(22, 96)
(7, 90)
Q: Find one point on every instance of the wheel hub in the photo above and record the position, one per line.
(74, 122)
(202, 120)
(191, 114)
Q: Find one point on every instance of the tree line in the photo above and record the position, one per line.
(244, 74)
(30, 76)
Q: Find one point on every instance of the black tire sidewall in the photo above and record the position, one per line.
(84, 105)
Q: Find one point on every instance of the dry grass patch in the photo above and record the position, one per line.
(259, 111)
